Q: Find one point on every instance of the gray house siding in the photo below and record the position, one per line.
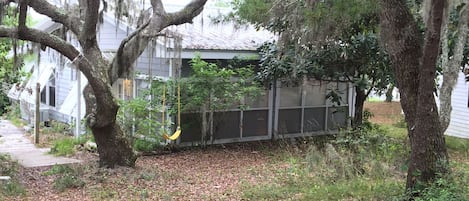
(109, 37)
(460, 115)
(150, 62)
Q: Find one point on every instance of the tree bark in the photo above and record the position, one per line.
(428, 149)
(359, 102)
(415, 66)
(451, 66)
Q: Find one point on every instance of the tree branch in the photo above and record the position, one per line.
(57, 15)
(23, 13)
(186, 15)
(134, 45)
(41, 37)
(118, 68)
(88, 34)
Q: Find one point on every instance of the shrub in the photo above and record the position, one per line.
(12, 187)
(145, 145)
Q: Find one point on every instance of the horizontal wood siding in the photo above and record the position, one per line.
(459, 125)
(159, 66)
(63, 84)
(109, 37)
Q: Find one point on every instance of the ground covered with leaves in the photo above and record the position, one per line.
(215, 173)
(366, 165)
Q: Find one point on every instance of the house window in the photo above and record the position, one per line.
(48, 92)
(52, 93)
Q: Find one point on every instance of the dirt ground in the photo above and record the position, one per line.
(385, 112)
(214, 173)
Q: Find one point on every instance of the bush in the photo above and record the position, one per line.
(68, 177)
(452, 187)
(68, 181)
(68, 145)
(11, 187)
(145, 145)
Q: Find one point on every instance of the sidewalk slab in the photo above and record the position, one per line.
(14, 143)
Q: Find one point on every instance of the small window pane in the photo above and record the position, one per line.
(255, 123)
(337, 118)
(191, 127)
(314, 119)
(226, 125)
(289, 121)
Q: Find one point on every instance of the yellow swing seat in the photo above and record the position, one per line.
(174, 136)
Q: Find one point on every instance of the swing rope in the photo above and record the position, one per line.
(176, 134)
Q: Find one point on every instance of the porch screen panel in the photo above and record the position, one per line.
(191, 127)
(261, 101)
(290, 96)
(226, 125)
(337, 118)
(341, 89)
(315, 93)
(255, 123)
(289, 121)
(314, 119)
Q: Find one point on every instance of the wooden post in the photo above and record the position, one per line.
(37, 113)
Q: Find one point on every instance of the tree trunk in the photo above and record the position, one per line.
(359, 102)
(113, 147)
(428, 149)
(451, 66)
(204, 125)
(415, 67)
(389, 93)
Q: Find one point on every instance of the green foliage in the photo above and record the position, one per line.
(12, 187)
(216, 87)
(58, 169)
(445, 188)
(63, 147)
(213, 88)
(142, 116)
(364, 165)
(457, 144)
(67, 146)
(144, 145)
(67, 177)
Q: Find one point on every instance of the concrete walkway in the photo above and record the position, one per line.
(20, 148)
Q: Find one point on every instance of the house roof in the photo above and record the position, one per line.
(202, 34)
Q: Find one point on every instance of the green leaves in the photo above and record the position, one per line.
(215, 87)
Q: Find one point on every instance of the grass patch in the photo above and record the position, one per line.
(66, 177)
(457, 144)
(12, 187)
(67, 146)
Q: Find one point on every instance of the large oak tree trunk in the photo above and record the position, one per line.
(113, 147)
(414, 66)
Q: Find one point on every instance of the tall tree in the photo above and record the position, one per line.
(454, 54)
(414, 61)
(334, 39)
(82, 21)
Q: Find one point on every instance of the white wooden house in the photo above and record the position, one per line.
(284, 111)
